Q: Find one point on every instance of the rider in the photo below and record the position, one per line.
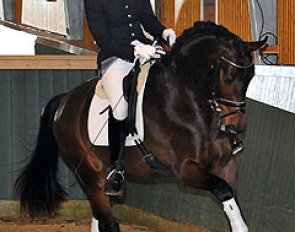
(117, 27)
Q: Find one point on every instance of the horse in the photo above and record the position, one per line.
(199, 89)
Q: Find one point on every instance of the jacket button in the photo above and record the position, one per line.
(130, 25)
(126, 6)
(129, 16)
(132, 34)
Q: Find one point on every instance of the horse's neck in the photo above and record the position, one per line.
(168, 93)
(169, 80)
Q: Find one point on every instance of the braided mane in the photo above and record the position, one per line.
(204, 27)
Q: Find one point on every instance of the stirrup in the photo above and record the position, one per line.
(114, 185)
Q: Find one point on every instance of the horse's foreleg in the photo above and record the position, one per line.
(224, 192)
(94, 225)
(233, 213)
(92, 179)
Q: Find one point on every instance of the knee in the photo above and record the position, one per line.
(120, 111)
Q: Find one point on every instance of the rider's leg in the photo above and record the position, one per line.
(112, 81)
(117, 136)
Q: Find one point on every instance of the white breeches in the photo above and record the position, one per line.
(112, 81)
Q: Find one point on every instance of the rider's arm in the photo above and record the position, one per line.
(149, 20)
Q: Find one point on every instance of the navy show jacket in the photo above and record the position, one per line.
(114, 24)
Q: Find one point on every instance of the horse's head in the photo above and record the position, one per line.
(220, 65)
(233, 72)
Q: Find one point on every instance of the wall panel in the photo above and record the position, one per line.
(1, 10)
(23, 93)
(235, 15)
(286, 31)
(9, 9)
(45, 15)
(274, 85)
(167, 13)
(5, 135)
(180, 14)
(188, 14)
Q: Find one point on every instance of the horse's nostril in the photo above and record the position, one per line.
(232, 129)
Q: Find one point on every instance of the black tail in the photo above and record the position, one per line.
(37, 186)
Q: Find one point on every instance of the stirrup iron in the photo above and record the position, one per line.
(115, 186)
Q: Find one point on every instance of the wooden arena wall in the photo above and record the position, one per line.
(286, 31)
(266, 168)
(26, 85)
(233, 14)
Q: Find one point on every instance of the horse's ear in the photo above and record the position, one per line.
(253, 46)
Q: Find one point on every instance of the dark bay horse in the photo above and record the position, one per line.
(192, 96)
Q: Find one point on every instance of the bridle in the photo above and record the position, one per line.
(236, 65)
(216, 99)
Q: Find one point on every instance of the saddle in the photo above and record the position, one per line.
(133, 85)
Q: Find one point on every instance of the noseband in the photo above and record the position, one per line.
(216, 98)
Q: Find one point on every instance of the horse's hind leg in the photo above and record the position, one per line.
(224, 192)
(91, 176)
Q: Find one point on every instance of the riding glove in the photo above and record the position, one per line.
(146, 51)
(169, 35)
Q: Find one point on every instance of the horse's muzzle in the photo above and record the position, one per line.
(232, 129)
(236, 127)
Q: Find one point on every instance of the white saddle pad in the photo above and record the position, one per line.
(98, 123)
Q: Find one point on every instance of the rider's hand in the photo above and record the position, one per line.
(146, 51)
(169, 35)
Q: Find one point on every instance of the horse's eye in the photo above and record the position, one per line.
(228, 79)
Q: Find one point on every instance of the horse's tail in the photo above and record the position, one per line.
(37, 186)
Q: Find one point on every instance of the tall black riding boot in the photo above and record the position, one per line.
(114, 185)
